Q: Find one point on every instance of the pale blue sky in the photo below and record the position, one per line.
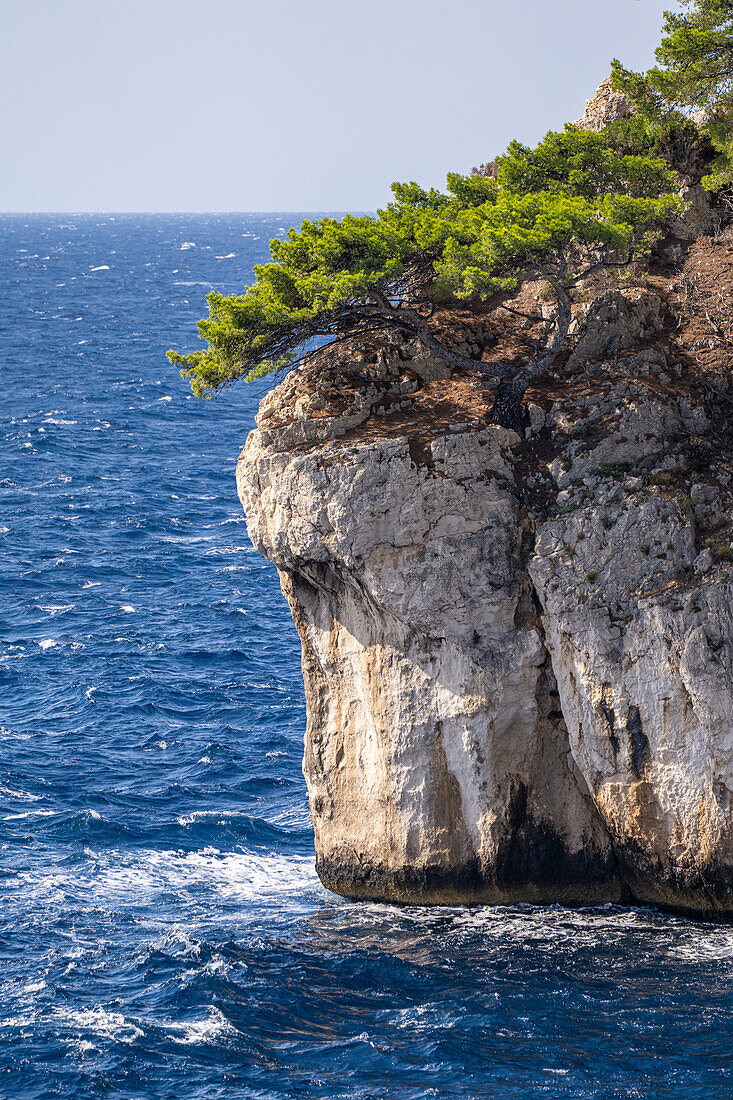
(283, 105)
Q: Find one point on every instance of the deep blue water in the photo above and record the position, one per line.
(162, 931)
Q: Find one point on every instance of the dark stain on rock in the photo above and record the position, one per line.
(639, 751)
(608, 718)
(446, 802)
(467, 883)
(533, 851)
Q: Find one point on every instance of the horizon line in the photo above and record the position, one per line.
(189, 213)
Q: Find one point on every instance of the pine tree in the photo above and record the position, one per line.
(694, 73)
(559, 212)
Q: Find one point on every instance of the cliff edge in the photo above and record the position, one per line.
(518, 651)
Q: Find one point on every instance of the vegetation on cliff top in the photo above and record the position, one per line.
(578, 202)
(694, 72)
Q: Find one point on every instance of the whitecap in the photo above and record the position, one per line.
(29, 813)
(54, 608)
(187, 244)
(90, 692)
(203, 1030)
(134, 879)
(128, 609)
(102, 267)
(34, 987)
(19, 794)
(108, 1025)
(229, 256)
(165, 399)
(92, 584)
(219, 816)
(48, 643)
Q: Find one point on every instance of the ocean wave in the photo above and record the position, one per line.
(98, 1021)
(205, 1029)
(135, 879)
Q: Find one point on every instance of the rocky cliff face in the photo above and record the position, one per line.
(517, 653)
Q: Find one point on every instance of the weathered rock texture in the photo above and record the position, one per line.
(518, 653)
(604, 106)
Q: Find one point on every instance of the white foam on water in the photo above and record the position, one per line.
(128, 609)
(229, 256)
(92, 584)
(102, 267)
(204, 1030)
(48, 643)
(8, 733)
(220, 816)
(34, 987)
(715, 946)
(29, 813)
(186, 245)
(11, 793)
(134, 879)
(101, 1022)
(90, 692)
(20, 1022)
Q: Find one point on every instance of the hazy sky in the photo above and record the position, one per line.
(287, 104)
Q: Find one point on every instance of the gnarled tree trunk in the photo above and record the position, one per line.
(507, 407)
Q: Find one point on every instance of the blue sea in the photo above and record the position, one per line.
(162, 930)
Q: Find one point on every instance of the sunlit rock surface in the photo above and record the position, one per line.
(517, 653)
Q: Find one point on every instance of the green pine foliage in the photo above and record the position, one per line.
(575, 202)
(694, 72)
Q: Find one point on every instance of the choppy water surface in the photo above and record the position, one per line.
(162, 932)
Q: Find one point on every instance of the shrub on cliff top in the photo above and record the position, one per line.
(694, 71)
(558, 212)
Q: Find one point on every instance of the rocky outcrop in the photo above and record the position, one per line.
(604, 106)
(517, 653)
(437, 761)
(639, 624)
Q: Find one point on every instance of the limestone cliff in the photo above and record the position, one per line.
(517, 653)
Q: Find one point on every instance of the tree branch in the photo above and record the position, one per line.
(417, 325)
